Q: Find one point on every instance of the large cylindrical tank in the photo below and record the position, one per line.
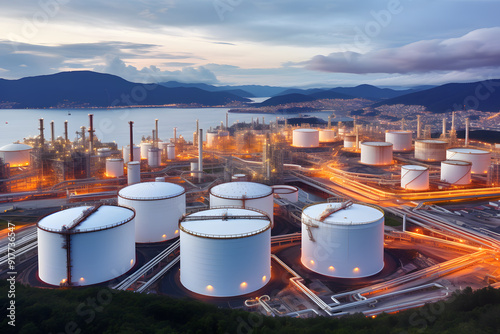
(133, 172)
(249, 195)
(290, 193)
(326, 136)
(456, 172)
(100, 246)
(114, 167)
(401, 140)
(145, 146)
(211, 137)
(414, 177)
(349, 140)
(126, 153)
(430, 150)
(154, 157)
(348, 243)
(239, 177)
(171, 151)
(480, 159)
(305, 138)
(104, 152)
(376, 153)
(17, 155)
(158, 207)
(223, 256)
(193, 167)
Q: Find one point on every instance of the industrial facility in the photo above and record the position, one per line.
(349, 216)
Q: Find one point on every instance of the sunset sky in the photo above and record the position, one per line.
(285, 43)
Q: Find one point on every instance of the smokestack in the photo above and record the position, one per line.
(403, 124)
(175, 136)
(286, 122)
(221, 125)
(131, 140)
(453, 122)
(52, 133)
(357, 138)
(227, 120)
(419, 126)
(195, 141)
(467, 124)
(156, 128)
(66, 131)
(329, 121)
(263, 121)
(443, 132)
(41, 128)
(200, 155)
(91, 133)
(154, 139)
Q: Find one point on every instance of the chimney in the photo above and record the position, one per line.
(419, 126)
(66, 131)
(467, 125)
(52, 133)
(41, 128)
(91, 134)
(131, 140)
(200, 155)
(443, 132)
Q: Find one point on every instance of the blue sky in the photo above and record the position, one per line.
(286, 43)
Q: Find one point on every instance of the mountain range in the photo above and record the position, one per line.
(90, 89)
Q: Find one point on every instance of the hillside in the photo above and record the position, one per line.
(481, 95)
(90, 89)
(285, 99)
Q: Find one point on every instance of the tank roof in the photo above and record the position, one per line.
(105, 217)
(376, 143)
(356, 214)
(239, 189)
(414, 167)
(15, 147)
(399, 131)
(431, 141)
(151, 191)
(306, 130)
(457, 162)
(468, 150)
(214, 223)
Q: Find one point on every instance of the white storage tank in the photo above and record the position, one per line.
(401, 140)
(480, 159)
(133, 172)
(349, 141)
(239, 177)
(104, 152)
(194, 167)
(154, 157)
(224, 254)
(211, 137)
(248, 195)
(114, 167)
(326, 136)
(99, 243)
(160, 179)
(126, 153)
(145, 147)
(456, 172)
(349, 243)
(290, 193)
(158, 207)
(376, 153)
(171, 151)
(430, 150)
(17, 155)
(305, 138)
(414, 177)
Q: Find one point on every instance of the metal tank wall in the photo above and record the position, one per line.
(114, 167)
(376, 153)
(171, 152)
(133, 172)
(349, 141)
(326, 136)
(480, 159)
(16, 154)
(290, 193)
(126, 153)
(401, 140)
(305, 138)
(145, 149)
(414, 177)
(430, 150)
(456, 172)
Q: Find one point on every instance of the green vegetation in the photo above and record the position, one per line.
(392, 220)
(101, 310)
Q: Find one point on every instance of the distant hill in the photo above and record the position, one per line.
(330, 94)
(301, 91)
(208, 88)
(481, 95)
(91, 89)
(284, 99)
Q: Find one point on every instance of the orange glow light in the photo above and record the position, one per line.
(356, 269)
(243, 285)
(82, 279)
(312, 262)
(176, 231)
(331, 268)
(210, 288)
(63, 281)
(264, 278)
(131, 262)
(164, 236)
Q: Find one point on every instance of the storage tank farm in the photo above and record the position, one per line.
(480, 159)
(225, 251)
(17, 155)
(456, 172)
(158, 207)
(305, 138)
(376, 153)
(350, 140)
(343, 240)
(86, 245)
(430, 150)
(401, 140)
(248, 195)
(414, 177)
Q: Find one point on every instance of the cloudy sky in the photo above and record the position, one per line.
(271, 42)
